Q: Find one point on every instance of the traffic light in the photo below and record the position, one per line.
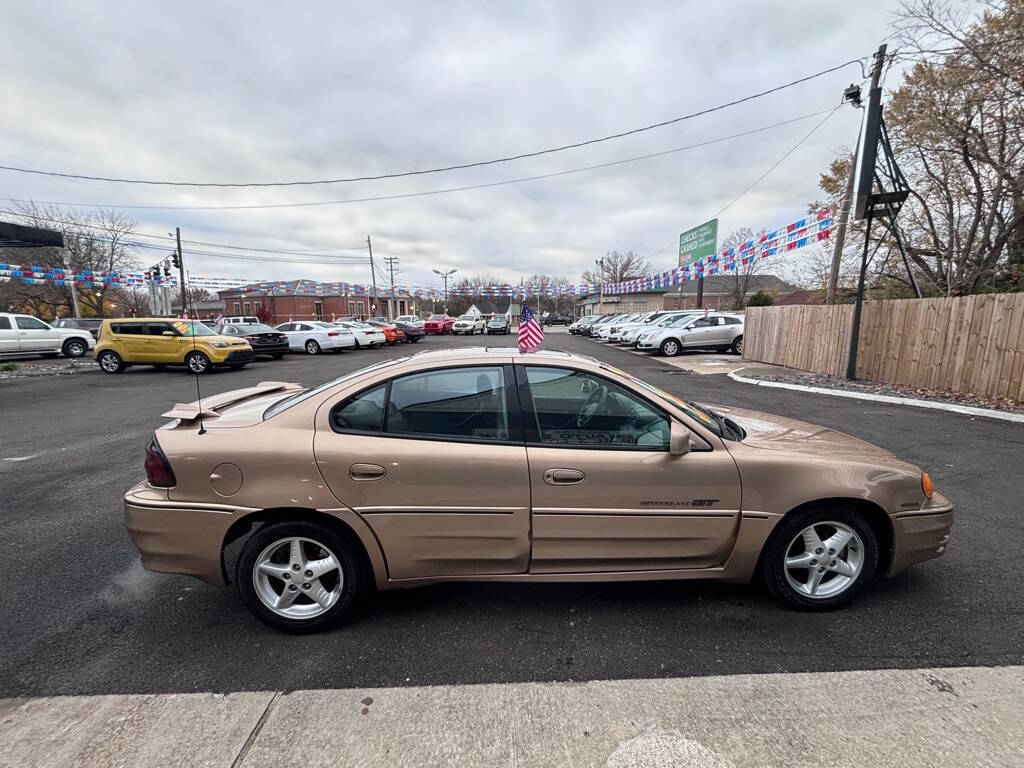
(175, 259)
(167, 269)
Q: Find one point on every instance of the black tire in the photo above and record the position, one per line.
(413, 341)
(159, 366)
(671, 347)
(349, 561)
(74, 348)
(312, 347)
(277, 355)
(49, 354)
(110, 362)
(198, 363)
(737, 346)
(238, 366)
(773, 556)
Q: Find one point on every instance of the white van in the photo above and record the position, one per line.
(241, 320)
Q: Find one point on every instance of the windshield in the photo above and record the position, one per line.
(678, 320)
(298, 397)
(468, 317)
(192, 328)
(437, 317)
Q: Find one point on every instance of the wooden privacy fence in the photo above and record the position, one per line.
(972, 344)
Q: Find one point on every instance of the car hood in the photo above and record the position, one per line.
(771, 432)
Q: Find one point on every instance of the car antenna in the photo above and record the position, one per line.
(192, 321)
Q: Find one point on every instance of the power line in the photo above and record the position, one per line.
(461, 166)
(431, 192)
(763, 176)
(191, 242)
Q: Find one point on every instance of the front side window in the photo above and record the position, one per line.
(157, 329)
(579, 409)
(363, 413)
(5, 323)
(130, 329)
(466, 403)
(31, 324)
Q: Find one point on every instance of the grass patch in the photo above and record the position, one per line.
(8, 367)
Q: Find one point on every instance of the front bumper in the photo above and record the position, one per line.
(921, 535)
(648, 344)
(173, 537)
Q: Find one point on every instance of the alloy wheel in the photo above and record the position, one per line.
(198, 362)
(109, 362)
(670, 348)
(298, 578)
(74, 348)
(824, 559)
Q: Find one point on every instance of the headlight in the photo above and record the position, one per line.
(220, 344)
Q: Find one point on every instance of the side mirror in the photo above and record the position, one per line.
(678, 439)
(168, 333)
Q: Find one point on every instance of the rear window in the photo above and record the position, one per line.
(5, 323)
(288, 402)
(129, 329)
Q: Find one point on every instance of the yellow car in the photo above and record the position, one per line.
(161, 341)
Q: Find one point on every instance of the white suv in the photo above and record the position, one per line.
(719, 332)
(28, 335)
(469, 324)
(633, 331)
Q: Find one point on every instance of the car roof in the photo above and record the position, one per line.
(475, 353)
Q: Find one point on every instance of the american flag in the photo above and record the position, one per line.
(530, 333)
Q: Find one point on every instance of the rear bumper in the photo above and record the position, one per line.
(921, 535)
(279, 347)
(178, 538)
(238, 356)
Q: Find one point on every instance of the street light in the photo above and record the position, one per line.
(444, 276)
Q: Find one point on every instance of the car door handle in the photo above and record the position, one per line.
(364, 472)
(563, 476)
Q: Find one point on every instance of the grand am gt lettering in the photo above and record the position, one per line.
(387, 477)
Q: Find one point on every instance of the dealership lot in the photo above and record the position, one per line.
(91, 620)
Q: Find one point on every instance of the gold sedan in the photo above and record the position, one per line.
(495, 465)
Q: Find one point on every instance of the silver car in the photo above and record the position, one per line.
(719, 332)
(632, 332)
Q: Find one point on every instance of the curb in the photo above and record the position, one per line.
(968, 410)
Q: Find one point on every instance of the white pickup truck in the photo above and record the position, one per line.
(28, 335)
(469, 324)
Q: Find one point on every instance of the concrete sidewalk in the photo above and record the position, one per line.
(938, 717)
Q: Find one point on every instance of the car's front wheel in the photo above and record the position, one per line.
(74, 348)
(298, 576)
(197, 362)
(312, 347)
(670, 347)
(820, 558)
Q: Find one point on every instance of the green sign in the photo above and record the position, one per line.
(698, 242)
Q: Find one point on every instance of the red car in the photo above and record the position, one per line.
(438, 324)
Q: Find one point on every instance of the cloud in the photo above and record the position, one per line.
(260, 91)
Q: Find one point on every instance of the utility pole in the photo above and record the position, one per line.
(875, 95)
(391, 261)
(600, 284)
(851, 94)
(373, 276)
(181, 268)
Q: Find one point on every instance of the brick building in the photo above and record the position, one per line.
(641, 301)
(718, 291)
(309, 300)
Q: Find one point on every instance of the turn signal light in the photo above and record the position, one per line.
(158, 470)
(926, 485)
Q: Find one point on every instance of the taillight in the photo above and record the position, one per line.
(333, 333)
(926, 484)
(158, 470)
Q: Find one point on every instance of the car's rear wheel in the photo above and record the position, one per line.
(277, 355)
(820, 558)
(74, 348)
(110, 362)
(197, 362)
(737, 345)
(312, 347)
(670, 347)
(298, 576)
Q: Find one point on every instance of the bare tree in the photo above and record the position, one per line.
(100, 242)
(619, 267)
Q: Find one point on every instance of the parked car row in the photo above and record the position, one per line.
(234, 342)
(667, 332)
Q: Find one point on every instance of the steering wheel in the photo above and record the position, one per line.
(591, 405)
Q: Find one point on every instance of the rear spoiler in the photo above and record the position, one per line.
(211, 405)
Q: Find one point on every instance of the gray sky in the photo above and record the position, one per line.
(256, 91)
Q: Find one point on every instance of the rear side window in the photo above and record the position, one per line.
(157, 329)
(5, 323)
(31, 324)
(732, 321)
(131, 329)
(463, 403)
(363, 413)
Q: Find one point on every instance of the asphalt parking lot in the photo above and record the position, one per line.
(80, 615)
